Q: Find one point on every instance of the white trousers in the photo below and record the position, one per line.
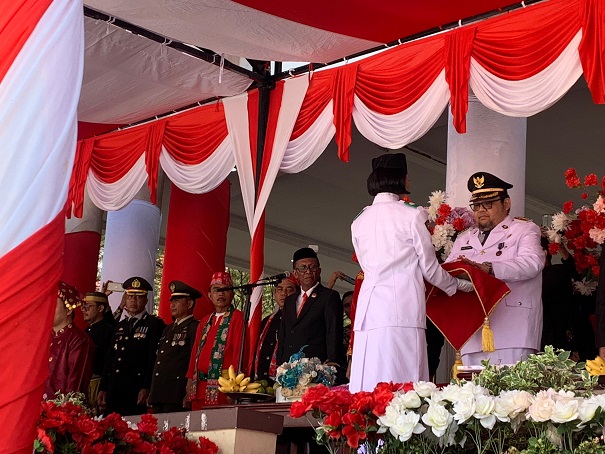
(388, 354)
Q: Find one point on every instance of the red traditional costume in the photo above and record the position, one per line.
(217, 346)
(71, 352)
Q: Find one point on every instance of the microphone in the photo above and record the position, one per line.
(277, 277)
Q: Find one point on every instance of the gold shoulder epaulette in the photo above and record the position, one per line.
(521, 218)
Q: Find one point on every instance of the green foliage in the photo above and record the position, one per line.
(549, 369)
(243, 277)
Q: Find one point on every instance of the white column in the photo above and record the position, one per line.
(132, 236)
(493, 143)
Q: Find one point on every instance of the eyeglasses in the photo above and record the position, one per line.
(304, 268)
(485, 205)
(85, 307)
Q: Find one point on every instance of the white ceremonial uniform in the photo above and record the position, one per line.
(394, 249)
(513, 247)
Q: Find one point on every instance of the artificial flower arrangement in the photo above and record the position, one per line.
(299, 373)
(542, 405)
(66, 426)
(446, 223)
(583, 228)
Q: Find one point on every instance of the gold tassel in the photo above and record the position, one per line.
(487, 337)
(456, 364)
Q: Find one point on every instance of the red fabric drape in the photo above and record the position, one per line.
(196, 243)
(114, 154)
(152, 156)
(461, 315)
(592, 47)
(343, 92)
(459, 45)
(319, 94)
(27, 307)
(77, 182)
(17, 21)
(81, 261)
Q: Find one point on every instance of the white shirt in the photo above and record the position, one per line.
(300, 297)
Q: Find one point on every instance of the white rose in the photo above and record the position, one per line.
(452, 393)
(425, 388)
(411, 400)
(484, 409)
(541, 408)
(401, 424)
(503, 406)
(464, 409)
(519, 401)
(587, 409)
(565, 411)
(437, 418)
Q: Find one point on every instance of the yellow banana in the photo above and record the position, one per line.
(239, 378)
(252, 391)
(596, 366)
(224, 382)
(242, 388)
(253, 385)
(232, 372)
(244, 382)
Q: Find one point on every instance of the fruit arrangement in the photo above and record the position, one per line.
(230, 382)
(596, 366)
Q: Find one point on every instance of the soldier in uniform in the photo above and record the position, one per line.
(127, 376)
(265, 362)
(169, 378)
(510, 250)
(100, 330)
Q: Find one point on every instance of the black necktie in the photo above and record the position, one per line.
(483, 236)
(131, 322)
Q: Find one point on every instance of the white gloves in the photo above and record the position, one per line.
(465, 286)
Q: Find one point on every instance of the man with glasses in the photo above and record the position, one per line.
(127, 376)
(312, 317)
(510, 250)
(169, 378)
(100, 330)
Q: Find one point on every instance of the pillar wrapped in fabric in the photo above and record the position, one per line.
(132, 235)
(196, 243)
(81, 254)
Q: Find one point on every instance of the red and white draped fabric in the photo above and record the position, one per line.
(517, 64)
(41, 64)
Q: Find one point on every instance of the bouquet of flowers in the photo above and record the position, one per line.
(446, 222)
(583, 228)
(66, 426)
(296, 375)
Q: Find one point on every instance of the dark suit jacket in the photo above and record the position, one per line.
(169, 373)
(319, 326)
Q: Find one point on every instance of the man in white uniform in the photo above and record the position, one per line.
(394, 249)
(510, 250)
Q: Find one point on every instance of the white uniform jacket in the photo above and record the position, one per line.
(394, 249)
(513, 247)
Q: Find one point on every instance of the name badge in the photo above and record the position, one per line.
(466, 248)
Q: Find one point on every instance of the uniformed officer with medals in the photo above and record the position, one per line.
(510, 250)
(174, 351)
(127, 376)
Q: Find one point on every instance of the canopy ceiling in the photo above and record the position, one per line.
(129, 78)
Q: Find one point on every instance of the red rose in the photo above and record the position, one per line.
(99, 448)
(444, 210)
(207, 446)
(333, 420)
(408, 386)
(46, 441)
(458, 224)
(298, 409)
(148, 424)
(603, 183)
(567, 207)
(383, 395)
(553, 248)
(571, 178)
(363, 402)
(133, 437)
(584, 195)
(590, 180)
(595, 270)
(145, 448)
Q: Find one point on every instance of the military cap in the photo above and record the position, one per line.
(69, 295)
(96, 297)
(484, 186)
(304, 253)
(391, 161)
(136, 286)
(179, 289)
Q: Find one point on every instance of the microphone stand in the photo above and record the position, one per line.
(247, 290)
